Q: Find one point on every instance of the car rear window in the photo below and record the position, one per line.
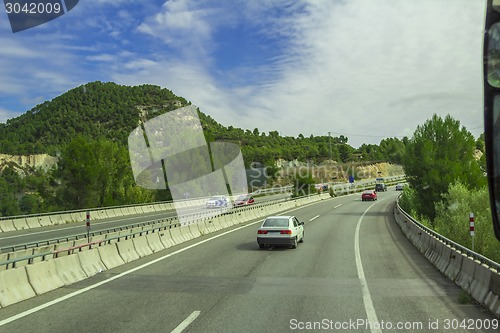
(276, 223)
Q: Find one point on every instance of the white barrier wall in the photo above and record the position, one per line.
(478, 280)
(17, 284)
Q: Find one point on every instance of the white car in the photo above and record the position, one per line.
(280, 230)
(400, 186)
(217, 201)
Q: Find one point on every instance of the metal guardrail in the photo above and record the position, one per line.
(83, 211)
(83, 235)
(474, 255)
(155, 226)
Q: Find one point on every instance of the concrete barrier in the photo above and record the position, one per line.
(126, 211)
(3, 258)
(423, 242)
(91, 262)
(194, 229)
(127, 250)
(415, 233)
(20, 254)
(176, 235)
(56, 219)
(428, 239)
(125, 233)
(43, 277)
(20, 223)
(69, 269)
(43, 249)
(111, 236)
(7, 225)
(480, 285)
(466, 275)
(110, 256)
(478, 280)
(154, 242)
(33, 222)
(98, 238)
(118, 212)
(166, 238)
(186, 233)
(141, 246)
(100, 214)
(14, 286)
(216, 223)
(492, 300)
(66, 218)
(45, 221)
(444, 258)
(80, 216)
(80, 242)
(455, 265)
(64, 249)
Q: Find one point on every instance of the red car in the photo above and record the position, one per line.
(369, 195)
(244, 200)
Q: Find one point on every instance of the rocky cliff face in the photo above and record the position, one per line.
(22, 162)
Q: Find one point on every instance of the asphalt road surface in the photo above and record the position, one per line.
(355, 272)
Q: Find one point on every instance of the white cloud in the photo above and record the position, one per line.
(376, 68)
(372, 68)
(7, 114)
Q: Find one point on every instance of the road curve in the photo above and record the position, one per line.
(355, 272)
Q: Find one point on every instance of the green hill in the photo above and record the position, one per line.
(95, 110)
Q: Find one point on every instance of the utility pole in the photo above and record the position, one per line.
(330, 142)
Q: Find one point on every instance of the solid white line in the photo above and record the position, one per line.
(186, 322)
(371, 315)
(314, 218)
(338, 206)
(81, 291)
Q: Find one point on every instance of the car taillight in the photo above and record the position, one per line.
(262, 232)
(286, 232)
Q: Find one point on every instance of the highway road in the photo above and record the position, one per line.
(355, 272)
(20, 237)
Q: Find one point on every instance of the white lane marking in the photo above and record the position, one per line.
(186, 322)
(81, 291)
(314, 218)
(371, 315)
(338, 206)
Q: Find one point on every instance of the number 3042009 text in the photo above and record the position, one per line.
(33, 8)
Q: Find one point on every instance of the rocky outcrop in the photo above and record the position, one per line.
(36, 161)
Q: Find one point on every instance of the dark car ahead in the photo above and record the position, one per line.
(380, 187)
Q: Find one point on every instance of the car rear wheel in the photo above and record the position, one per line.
(294, 245)
(261, 246)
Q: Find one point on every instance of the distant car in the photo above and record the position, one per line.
(380, 187)
(217, 201)
(280, 230)
(244, 200)
(369, 195)
(400, 186)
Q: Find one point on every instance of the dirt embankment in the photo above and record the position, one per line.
(334, 172)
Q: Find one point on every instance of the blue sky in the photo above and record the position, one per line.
(366, 69)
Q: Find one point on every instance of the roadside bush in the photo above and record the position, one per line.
(452, 219)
